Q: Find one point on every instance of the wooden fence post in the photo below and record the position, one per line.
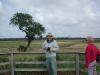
(77, 63)
(12, 64)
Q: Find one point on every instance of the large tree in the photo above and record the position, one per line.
(26, 23)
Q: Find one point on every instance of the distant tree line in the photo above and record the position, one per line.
(57, 38)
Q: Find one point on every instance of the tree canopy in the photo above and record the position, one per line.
(27, 24)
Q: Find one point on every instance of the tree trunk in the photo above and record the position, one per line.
(28, 44)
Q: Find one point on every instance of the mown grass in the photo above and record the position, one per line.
(35, 45)
(65, 45)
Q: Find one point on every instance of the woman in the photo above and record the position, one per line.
(91, 54)
(50, 47)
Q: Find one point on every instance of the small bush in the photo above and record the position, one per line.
(40, 58)
(4, 59)
(21, 48)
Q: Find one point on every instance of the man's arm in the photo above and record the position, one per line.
(87, 57)
(43, 46)
(98, 51)
(55, 47)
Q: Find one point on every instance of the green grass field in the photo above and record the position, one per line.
(65, 45)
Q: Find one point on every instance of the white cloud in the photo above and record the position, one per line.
(61, 17)
(1, 9)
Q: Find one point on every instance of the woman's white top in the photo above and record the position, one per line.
(54, 48)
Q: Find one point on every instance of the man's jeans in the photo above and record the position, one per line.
(92, 68)
(51, 65)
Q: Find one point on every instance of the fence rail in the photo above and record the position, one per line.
(13, 69)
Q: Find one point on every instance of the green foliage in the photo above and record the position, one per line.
(21, 48)
(41, 58)
(26, 24)
(65, 57)
(4, 59)
(2, 67)
(33, 66)
(97, 40)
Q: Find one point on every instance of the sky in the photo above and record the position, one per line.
(62, 18)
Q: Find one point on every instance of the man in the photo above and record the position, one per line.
(91, 54)
(50, 47)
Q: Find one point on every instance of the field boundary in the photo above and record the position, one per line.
(12, 63)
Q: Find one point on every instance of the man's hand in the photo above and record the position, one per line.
(48, 49)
